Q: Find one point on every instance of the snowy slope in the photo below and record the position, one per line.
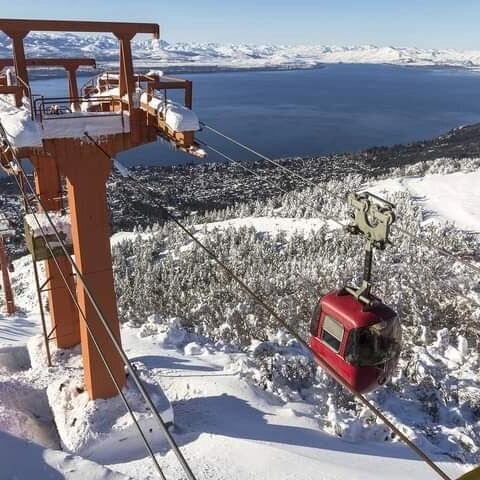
(25, 460)
(224, 56)
(232, 430)
(227, 427)
(454, 197)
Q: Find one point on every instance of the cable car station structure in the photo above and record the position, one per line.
(121, 111)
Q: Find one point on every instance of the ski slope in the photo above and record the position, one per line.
(230, 429)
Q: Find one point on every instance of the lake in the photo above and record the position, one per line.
(329, 110)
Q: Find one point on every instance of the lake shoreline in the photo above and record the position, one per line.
(45, 74)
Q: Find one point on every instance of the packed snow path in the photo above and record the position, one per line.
(22, 460)
(229, 429)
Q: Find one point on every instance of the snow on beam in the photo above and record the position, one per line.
(95, 428)
(74, 125)
(177, 117)
(19, 127)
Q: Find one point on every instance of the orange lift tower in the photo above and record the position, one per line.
(118, 118)
(48, 183)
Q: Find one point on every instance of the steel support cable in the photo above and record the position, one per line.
(270, 160)
(453, 291)
(418, 240)
(97, 346)
(260, 301)
(281, 189)
(80, 278)
(425, 243)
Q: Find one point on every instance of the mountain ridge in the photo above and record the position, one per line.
(195, 55)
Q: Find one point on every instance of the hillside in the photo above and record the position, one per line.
(218, 186)
(213, 350)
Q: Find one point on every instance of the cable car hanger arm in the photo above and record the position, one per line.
(372, 219)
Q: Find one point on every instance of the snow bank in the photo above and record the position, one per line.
(453, 196)
(24, 412)
(193, 348)
(14, 358)
(120, 237)
(24, 460)
(21, 130)
(271, 225)
(95, 428)
(253, 433)
(177, 117)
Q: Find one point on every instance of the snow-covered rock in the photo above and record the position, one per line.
(100, 429)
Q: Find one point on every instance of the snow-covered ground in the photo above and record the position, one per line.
(454, 197)
(227, 427)
(224, 56)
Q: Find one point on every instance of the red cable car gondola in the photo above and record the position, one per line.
(353, 334)
(360, 342)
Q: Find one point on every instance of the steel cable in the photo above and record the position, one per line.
(280, 320)
(171, 441)
(402, 230)
(453, 291)
(283, 190)
(97, 346)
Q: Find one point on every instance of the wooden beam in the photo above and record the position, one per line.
(16, 90)
(19, 59)
(72, 85)
(7, 286)
(189, 95)
(122, 28)
(171, 86)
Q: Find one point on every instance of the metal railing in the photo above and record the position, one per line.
(56, 108)
(111, 79)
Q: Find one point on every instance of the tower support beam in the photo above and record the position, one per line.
(87, 170)
(63, 312)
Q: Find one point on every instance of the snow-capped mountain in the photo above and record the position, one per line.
(227, 56)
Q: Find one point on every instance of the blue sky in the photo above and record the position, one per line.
(422, 23)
